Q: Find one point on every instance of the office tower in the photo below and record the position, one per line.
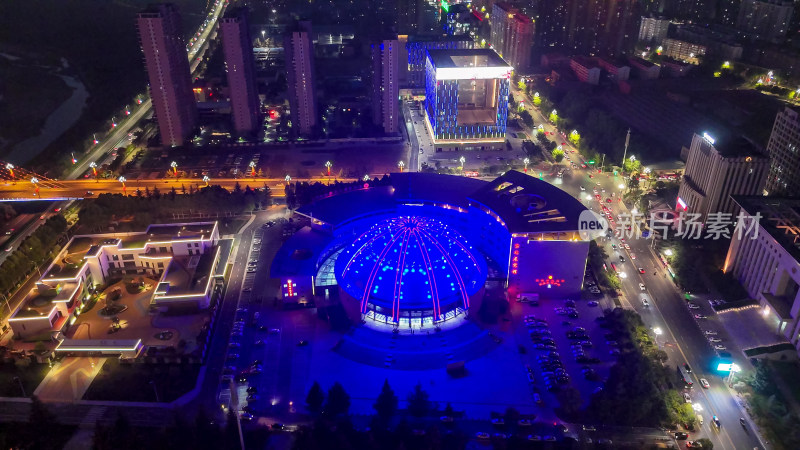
(466, 98)
(512, 35)
(240, 67)
(589, 27)
(168, 72)
(386, 84)
(717, 170)
(299, 53)
(767, 20)
(409, 15)
(728, 11)
(417, 50)
(784, 152)
(692, 10)
(653, 30)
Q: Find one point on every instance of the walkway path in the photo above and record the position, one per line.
(69, 380)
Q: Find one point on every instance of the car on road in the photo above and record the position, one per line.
(641, 269)
(700, 316)
(687, 397)
(593, 303)
(704, 383)
(645, 303)
(482, 436)
(681, 436)
(687, 367)
(710, 333)
(694, 444)
(641, 286)
(692, 306)
(714, 340)
(720, 347)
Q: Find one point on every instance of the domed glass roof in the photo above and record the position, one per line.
(411, 263)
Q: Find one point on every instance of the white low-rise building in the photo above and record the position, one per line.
(765, 259)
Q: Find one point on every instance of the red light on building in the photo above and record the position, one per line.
(550, 281)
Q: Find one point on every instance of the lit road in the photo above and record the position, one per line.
(75, 189)
(682, 336)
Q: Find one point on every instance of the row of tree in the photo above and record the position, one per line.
(337, 402)
(149, 206)
(34, 251)
(299, 194)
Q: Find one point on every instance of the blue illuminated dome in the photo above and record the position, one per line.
(411, 266)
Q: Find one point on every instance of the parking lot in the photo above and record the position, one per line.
(567, 345)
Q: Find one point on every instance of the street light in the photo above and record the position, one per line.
(206, 179)
(93, 165)
(401, 164)
(94, 139)
(174, 166)
(328, 164)
(462, 160)
(526, 161)
(253, 168)
(35, 182)
(123, 180)
(113, 122)
(287, 178)
(10, 168)
(366, 178)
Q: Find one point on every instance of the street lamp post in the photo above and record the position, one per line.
(153, 383)
(35, 182)
(113, 122)
(22, 388)
(123, 180)
(526, 161)
(625, 153)
(400, 165)
(366, 177)
(93, 165)
(10, 168)
(253, 168)
(174, 166)
(658, 332)
(462, 160)
(287, 178)
(206, 179)
(328, 165)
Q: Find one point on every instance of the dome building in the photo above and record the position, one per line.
(421, 250)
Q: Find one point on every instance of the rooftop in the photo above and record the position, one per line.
(528, 204)
(466, 58)
(188, 275)
(780, 217)
(734, 146)
(297, 256)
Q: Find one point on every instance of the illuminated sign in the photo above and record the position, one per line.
(290, 289)
(708, 138)
(550, 282)
(472, 73)
(724, 367)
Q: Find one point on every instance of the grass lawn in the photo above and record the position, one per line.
(30, 376)
(232, 225)
(131, 382)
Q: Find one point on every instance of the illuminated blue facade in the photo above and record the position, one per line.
(411, 266)
(418, 55)
(441, 106)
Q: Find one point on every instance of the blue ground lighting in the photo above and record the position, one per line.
(411, 266)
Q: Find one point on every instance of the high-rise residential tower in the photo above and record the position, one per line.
(168, 72)
(512, 35)
(386, 84)
(784, 152)
(767, 20)
(240, 67)
(589, 27)
(299, 53)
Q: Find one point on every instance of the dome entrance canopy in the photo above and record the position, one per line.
(411, 263)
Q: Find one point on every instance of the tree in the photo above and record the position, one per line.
(569, 400)
(526, 117)
(338, 401)
(315, 398)
(706, 444)
(558, 155)
(386, 403)
(418, 403)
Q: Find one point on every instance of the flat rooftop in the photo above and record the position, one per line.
(780, 217)
(737, 147)
(188, 275)
(466, 58)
